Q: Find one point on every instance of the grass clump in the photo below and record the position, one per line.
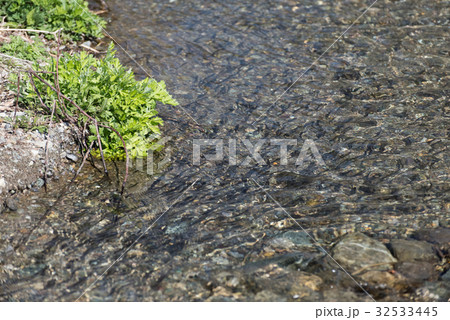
(73, 16)
(107, 91)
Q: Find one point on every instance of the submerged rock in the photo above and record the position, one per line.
(384, 280)
(446, 276)
(412, 250)
(439, 236)
(417, 271)
(357, 251)
(291, 239)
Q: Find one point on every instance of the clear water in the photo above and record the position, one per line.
(375, 105)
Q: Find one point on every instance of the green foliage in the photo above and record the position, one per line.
(73, 16)
(19, 48)
(109, 92)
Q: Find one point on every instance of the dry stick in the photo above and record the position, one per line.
(37, 91)
(93, 120)
(29, 30)
(49, 72)
(89, 48)
(84, 160)
(57, 67)
(126, 154)
(11, 57)
(46, 146)
(91, 158)
(17, 100)
(99, 141)
(61, 102)
(82, 138)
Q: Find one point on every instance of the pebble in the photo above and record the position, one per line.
(38, 184)
(435, 291)
(292, 239)
(356, 251)
(411, 250)
(11, 204)
(72, 157)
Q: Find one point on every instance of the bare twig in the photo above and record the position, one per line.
(100, 147)
(84, 160)
(56, 73)
(29, 30)
(37, 91)
(17, 100)
(46, 146)
(100, 12)
(11, 57)
(89, 48)
(57, 66)
(126, 155)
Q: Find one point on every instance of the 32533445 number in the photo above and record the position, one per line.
(406, 311)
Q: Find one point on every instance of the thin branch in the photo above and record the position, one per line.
(30, 30)
(99, 140)
(89, 48)
(46, 146)
(61, 101)
(37, 91)
(84, 160)
(11, 57)
(17, 99)
(126, 155)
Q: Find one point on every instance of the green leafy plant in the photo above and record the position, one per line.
(73, 16)
(108, 92)
(22, 49)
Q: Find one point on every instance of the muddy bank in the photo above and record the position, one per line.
(22, 152)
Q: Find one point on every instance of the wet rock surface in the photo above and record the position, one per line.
(417, 271)
(411, 250)
(439, 237)
(374, 105)
(357, 252)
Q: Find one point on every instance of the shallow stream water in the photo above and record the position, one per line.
(373, 104)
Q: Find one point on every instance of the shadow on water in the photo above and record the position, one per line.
(375, 107)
